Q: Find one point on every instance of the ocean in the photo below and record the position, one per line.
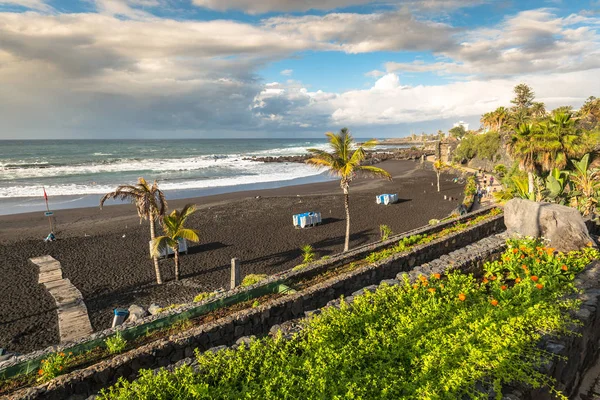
(75, 173)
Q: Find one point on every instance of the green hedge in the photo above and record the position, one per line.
(439, 338)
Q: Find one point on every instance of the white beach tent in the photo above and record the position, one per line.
(306, 219)
(386, 199)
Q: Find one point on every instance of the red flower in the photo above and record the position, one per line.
(515, 251)
(494, 302)
(564, 268)
(539, 286)
(493, 277)
(534, 278)
(503, 287)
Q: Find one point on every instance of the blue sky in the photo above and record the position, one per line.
(284, 68)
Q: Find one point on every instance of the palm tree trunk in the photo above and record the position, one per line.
(438, 179)
(347, 206)
(155, 259)
(176, 253)
(531, 184)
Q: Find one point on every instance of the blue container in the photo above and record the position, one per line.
(120, 315)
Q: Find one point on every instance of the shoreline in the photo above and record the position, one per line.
(104, 253)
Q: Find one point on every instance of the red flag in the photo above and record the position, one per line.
(45, 195)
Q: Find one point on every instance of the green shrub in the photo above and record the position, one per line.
(255, 304)
(53, 366)
(440, 338)
(116, 343)
(385, 232)
(308, 254)
(253, 279)
(169, 307)
(501, 170)
(299, 267)
(204, 296)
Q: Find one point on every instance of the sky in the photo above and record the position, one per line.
(106, 69)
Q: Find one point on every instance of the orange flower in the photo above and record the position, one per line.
(462, 297)
(61, 354)
(564, 268)
(425, 283)
(41, 372)
(493, 277)
(415, 286)
(515, 251)
(494, 302)
(589, 244)
(550, 251)
(422, 278)
(522, 256)
(503, 287)
(485, 280)
(517, 280)
(534, 278)
(431, 290)
(437, 276)
(539, 286)
(60, 368)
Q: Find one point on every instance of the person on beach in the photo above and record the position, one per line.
(484, 180)
(491, 181)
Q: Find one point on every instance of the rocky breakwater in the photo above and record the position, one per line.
(372, 157)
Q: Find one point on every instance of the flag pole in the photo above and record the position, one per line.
(48, 209)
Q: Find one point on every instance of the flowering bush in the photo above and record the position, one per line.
(438, 338)
(53, 366)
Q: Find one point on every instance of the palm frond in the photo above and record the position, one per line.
(371, 170)
(192, 235)
(160, 243)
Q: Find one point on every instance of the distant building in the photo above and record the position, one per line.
(463, 124)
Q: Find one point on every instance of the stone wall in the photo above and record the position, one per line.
(256, 321)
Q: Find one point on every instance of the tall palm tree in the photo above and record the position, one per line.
(438, 167)
(150, 203)
(499, 117)
(561, 140)
(173, 227)
(344, 161)
(523, 146)
(538, 110)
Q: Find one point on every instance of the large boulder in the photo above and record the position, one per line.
(562, 226)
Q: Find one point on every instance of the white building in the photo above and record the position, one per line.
(463, 124)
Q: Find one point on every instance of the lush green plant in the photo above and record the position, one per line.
(204, 296)
(53, 366)
(308, 254)
(501, 170)
(255, 304)
(253, 279)
(385, 232)
(169, 307)
(586, 183)
(432, 339)
(116, 343)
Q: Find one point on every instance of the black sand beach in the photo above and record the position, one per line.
(105, 252)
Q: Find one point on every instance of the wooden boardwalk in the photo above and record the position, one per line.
(73, 320)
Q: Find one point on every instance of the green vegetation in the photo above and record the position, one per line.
(344, 161)
(53, 366)
(485, 146)
(150, 204)
(436, 338)
(385, 232)
(438, 167)
(173, 227)
(169, 307)
(308, 254)
(204, 296)
(116, 343)
(457, 132)
(253, 279)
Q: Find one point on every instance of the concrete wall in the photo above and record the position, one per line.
(256, 321)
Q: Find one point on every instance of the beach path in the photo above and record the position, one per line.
(73, 320)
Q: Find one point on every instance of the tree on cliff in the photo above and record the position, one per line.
(344, 162)
(150, 203)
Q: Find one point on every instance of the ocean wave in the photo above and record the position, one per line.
(260, 173)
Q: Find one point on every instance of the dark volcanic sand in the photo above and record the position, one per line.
(113, 270)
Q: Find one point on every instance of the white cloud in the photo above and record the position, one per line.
(287, 72)
(375, 73)
(38, 5)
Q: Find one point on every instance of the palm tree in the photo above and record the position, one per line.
(499, 117)
(150, 203)
(344, 162)
(439, 166)
(538, 110)
(523, 146)
(560, 141)
(173, 227)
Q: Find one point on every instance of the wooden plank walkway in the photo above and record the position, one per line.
(73, 320)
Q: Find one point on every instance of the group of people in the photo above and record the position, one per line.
(485, 190)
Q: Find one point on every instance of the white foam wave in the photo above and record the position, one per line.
(262, 173)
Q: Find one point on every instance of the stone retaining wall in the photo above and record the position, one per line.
(259, 320)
